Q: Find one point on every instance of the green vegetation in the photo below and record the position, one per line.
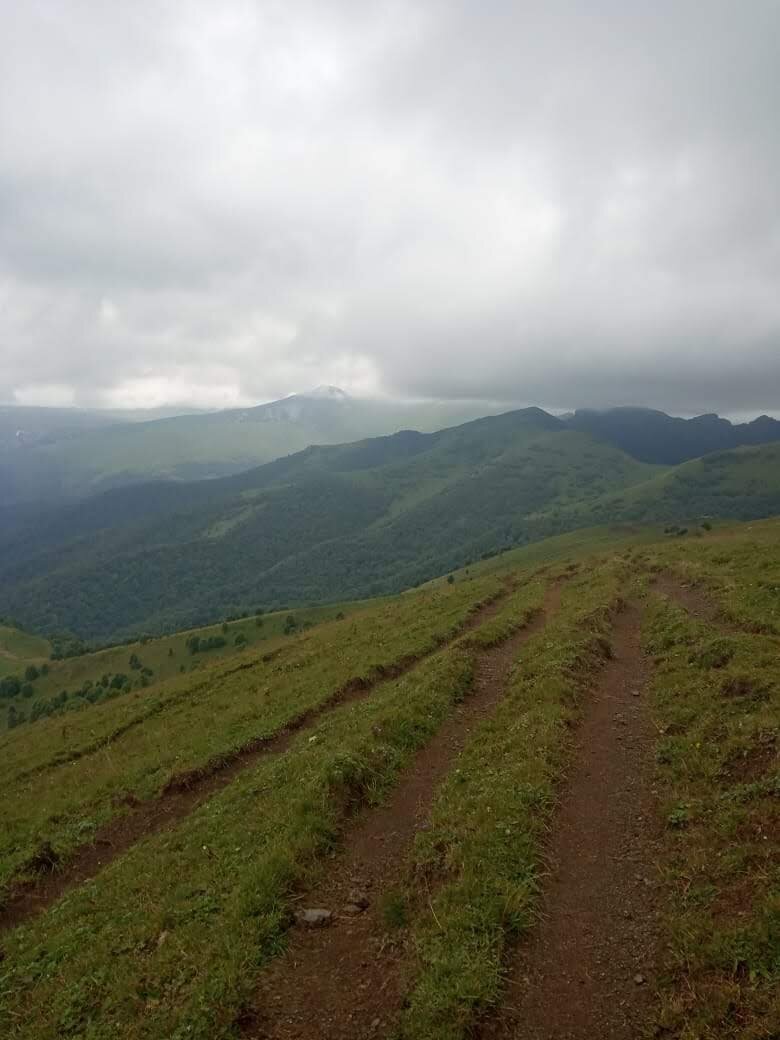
(183, 959)
(717, 706)
(63, 778)
(348, 521)
(167, 942)
(18, 649)
(359, 519)
(481, 855)
(68, 453)
(90, 678)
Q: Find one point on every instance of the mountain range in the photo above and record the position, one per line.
(62, 454)
(54, 455)
(364, 518)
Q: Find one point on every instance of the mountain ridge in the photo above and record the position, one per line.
(347, 521)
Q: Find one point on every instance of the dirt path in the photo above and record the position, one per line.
(586, 973)
(347, 979)
(186, 791)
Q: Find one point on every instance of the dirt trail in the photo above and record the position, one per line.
(347, 980)
(586, 972)
(185, 792)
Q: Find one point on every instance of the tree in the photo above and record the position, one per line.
(10, 686)
(31, 673)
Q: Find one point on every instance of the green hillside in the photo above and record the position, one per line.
(330, 523)
(20, 649)
(71, 454)
(160, 850)
(36, 683)
(343, 522)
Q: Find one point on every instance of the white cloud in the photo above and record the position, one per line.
(552, 201)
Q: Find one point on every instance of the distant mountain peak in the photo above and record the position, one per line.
(326, 393)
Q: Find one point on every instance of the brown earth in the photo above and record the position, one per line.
(587, 971)
(347, 980)
(186, 791)
(696, 601)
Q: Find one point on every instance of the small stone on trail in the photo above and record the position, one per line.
(314, 918)
(635, 693)
(352, 909)
(359, 898)
(639, 979)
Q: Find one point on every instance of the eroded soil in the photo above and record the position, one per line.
(185, 792)
(587, 971)
(347, 980)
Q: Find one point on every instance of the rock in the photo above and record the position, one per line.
(162, 937)
(359, 898)
(635, 693)
(639, 979)
(314, 918)
(352, 910)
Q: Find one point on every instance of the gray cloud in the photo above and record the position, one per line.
(559, 203)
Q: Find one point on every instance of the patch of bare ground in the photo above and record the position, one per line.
(347, 980)
(184, 792)
(587, 970)
(696, 601)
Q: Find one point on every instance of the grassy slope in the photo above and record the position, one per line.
(219, 911)
(63, 777)
(717, 706)
(166, 656)
(19, 649)
(168, 940)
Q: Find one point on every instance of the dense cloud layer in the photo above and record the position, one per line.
(559, 203)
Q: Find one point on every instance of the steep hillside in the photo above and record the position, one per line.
(329, 523)
(655, 437)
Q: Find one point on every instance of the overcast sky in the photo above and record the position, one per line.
(556, 203)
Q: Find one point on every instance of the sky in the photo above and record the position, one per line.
(564, 204)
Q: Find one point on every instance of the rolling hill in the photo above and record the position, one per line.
(54, 454)
(341, 522)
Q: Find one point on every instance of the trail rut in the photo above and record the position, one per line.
(185, 792)
(347, 980)
(587, 969)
